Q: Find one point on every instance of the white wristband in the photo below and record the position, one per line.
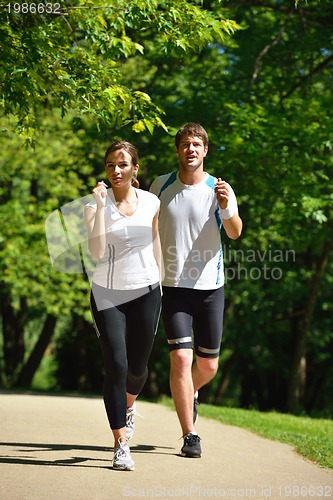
(227, 213)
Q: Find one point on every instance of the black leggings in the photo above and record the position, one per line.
(126, 333)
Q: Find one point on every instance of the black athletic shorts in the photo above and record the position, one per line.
(194, 319)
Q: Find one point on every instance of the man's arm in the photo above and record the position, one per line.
(232, 223)
(233, 226)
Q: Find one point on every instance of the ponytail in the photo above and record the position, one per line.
(135, 182)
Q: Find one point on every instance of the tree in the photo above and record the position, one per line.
(263, 95)
(68, 64)
(263, 98)
(71, 58)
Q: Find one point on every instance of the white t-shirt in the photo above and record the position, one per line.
(189, 224)
(128, 262)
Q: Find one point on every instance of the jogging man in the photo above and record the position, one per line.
(194, 207)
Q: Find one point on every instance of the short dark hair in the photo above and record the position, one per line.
(191, 129)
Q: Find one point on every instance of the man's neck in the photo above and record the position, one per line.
(193, 177)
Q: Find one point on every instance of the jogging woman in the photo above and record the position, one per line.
(122, 227)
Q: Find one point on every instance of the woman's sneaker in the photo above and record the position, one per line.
(130, 412)
(192, 447)
(122, 458)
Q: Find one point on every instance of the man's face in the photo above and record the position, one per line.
(191, 152)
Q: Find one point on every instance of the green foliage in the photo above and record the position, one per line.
(68, 66)
(263, 95)
(72, 61)
(32, 186)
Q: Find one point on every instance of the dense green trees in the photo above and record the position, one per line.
(71, 58)
(68, 61)
(264, 96)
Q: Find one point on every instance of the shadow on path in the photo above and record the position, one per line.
(29, 448)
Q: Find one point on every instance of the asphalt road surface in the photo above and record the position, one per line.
(58, 447)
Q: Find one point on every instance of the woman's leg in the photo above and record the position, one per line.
(133, 323)
(110, 325)
(142, 318)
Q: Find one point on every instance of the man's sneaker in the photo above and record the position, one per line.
(195, 408)
(191, 448)
(130, 412)
(122, 458)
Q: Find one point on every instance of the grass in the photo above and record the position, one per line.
(312, 438)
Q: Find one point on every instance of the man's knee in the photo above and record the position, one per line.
(181, 359)
(208, 366)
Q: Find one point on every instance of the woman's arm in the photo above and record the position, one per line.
(157, 246)
(94, 221)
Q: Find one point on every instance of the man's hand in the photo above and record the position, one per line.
(222, 193)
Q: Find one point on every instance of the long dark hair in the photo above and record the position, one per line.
(129, 148)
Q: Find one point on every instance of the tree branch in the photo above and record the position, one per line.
(258, 61)
(305, 78)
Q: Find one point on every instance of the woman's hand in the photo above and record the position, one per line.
(100, 192)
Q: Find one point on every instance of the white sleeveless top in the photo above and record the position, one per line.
(128, 262)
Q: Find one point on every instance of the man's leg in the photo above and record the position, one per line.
(181, 386)
(185, 380)
(208, 328)
(203, 371)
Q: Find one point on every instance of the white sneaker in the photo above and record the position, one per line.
(122, 458)
(130, 425)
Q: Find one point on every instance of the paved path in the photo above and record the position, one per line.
(57, 447)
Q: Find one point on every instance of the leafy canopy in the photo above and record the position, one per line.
(73, 60)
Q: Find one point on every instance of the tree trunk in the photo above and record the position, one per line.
(297, 379)
(29, 369)
(13, 324)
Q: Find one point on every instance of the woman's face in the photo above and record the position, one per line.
(119, 168)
